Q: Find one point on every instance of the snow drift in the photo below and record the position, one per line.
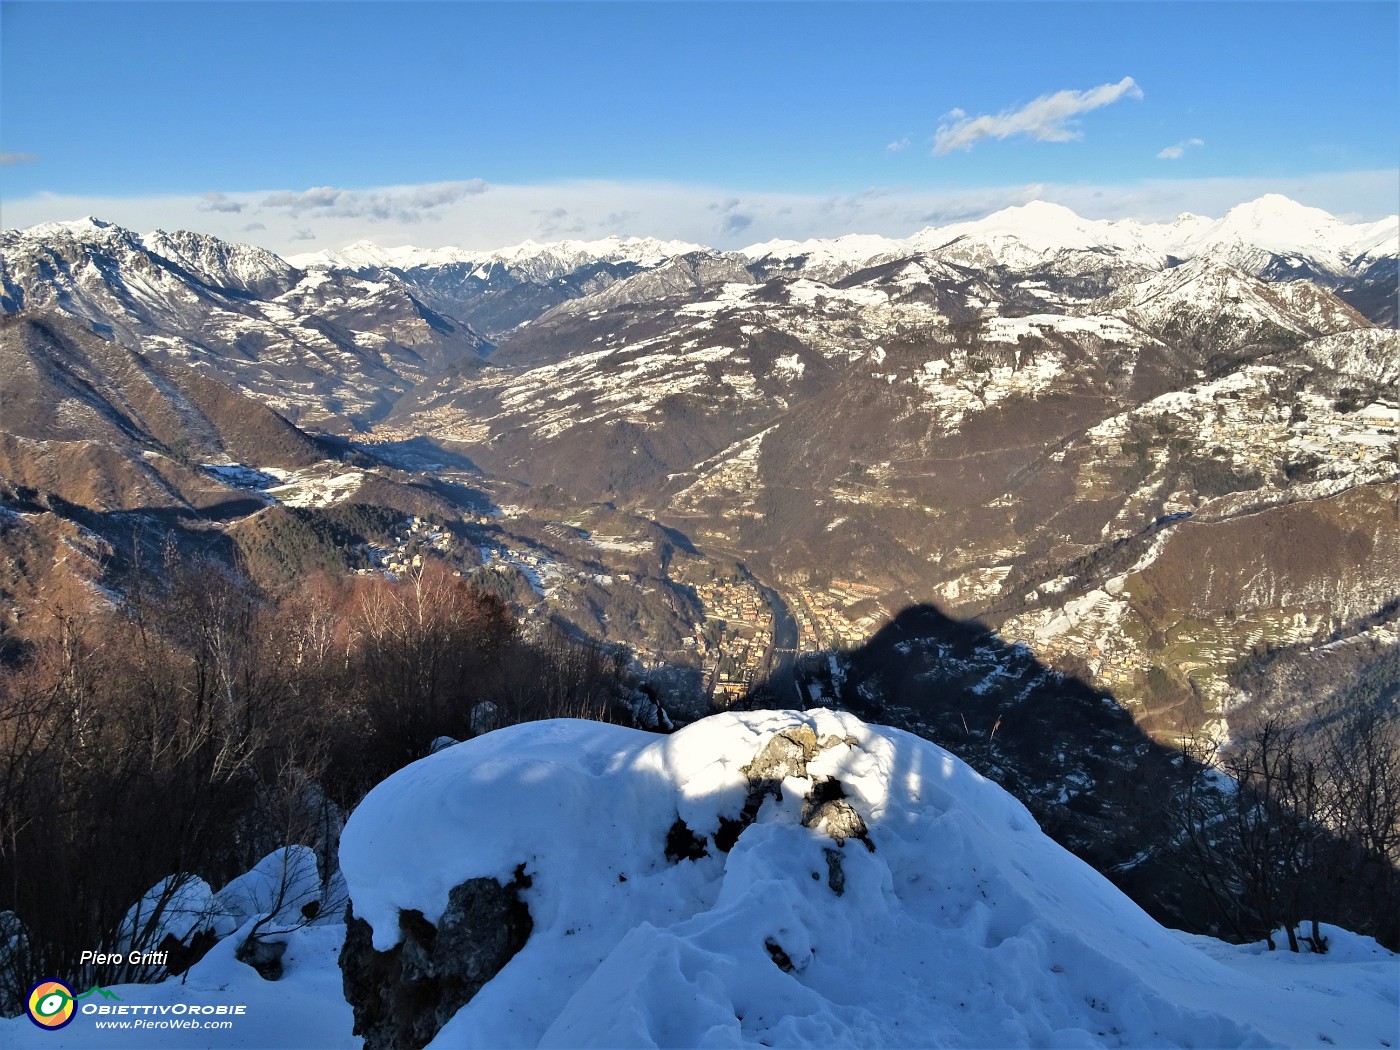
(807, 879)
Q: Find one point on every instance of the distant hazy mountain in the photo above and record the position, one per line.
(497, 290)
(1272, 237)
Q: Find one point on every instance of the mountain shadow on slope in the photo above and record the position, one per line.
(1093, 779)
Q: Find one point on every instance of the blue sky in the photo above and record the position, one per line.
(450, 123)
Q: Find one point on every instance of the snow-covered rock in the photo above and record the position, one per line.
(285, 887)
(177, 906)
(803, 879)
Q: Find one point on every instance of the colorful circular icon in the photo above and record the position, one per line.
(50, 1004)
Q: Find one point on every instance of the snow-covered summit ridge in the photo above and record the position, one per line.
(1286, 228)
(1038, 230)
(1272, 225)
(223, 263)
(560, 256)
(947, 918)
(208, 258)
(87, 230)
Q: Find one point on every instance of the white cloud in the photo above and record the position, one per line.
(898, 144)
(404, 204)
(17, 158)
(1047, 119)
(509, 214)
(735, 222)
(216, 201)
(732, 221)
(1175, 152)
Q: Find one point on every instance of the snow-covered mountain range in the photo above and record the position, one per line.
(529, 258)
(1272, 237)
(1247, 237)
(973, 415)
(1270, 225)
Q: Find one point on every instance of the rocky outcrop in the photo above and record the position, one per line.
(402, 997)
(785, 756)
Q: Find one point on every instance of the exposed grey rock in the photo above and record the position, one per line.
(785, 755)
(265, 956)
(835, 872)
(780, 958)
(486, 716)
(401, 998)
(826, 809)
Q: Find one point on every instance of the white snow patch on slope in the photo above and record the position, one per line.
(315, 488)
(964, 926)
(809, 292)
(729, 295)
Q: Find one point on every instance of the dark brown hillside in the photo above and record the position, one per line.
(59, 381)
(248, 430)
(46, 562)
(107, 477)
(1339, 552)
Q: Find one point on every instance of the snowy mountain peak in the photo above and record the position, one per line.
(366, 253)
(1028, 235)
(1274, 210)
(1190, 218)
(826, 259)
(1275, 222)
(1275, 225)
(87, 229)
(609, 249)
(1035, 214)
(1039, 224)
(223, 264)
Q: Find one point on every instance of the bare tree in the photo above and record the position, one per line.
(1305, 830)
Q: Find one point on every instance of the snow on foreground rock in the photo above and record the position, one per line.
(915, 904)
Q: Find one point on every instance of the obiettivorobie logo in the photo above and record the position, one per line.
(51, 1004)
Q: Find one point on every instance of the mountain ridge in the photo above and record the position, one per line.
(982, 417)
(1271, 221)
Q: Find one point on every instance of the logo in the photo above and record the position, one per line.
(50, 1004)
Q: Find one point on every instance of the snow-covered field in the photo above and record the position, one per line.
(958, 924)
(320, 485)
